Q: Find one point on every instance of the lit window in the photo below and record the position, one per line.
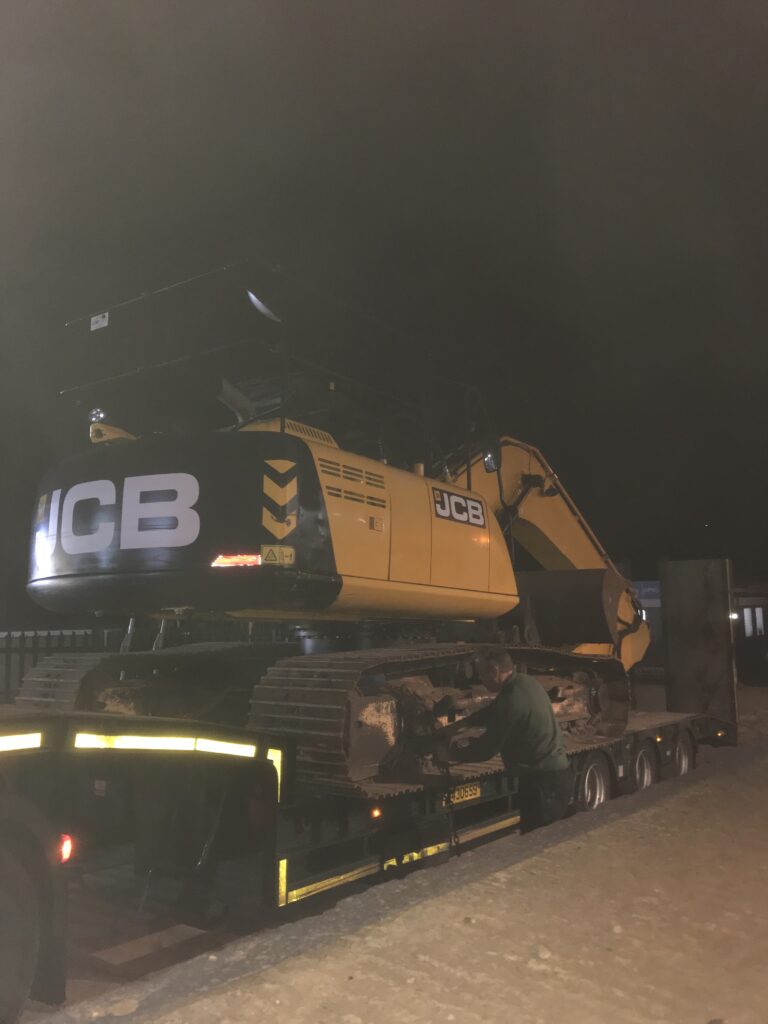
(759, 622)
(748, 626)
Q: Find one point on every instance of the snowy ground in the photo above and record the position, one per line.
(653, 909)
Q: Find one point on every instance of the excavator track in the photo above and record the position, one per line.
(341, 712)
(331, 706)
(312, 700)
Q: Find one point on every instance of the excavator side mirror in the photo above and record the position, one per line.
(492, 459)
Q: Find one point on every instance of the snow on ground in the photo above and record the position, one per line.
(654, 908)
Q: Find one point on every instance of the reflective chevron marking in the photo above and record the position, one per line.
(281, 494)
(284, 496)
(275, 527)
(280, 465)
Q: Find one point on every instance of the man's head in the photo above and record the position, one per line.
(494, 666)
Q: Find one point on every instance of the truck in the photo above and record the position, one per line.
(293, 763)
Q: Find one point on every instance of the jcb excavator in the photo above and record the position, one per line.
(390, 577)
(213, 782)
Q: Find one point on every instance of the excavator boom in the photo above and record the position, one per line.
(575, 577)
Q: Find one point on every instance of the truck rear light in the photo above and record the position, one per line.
(234, 561)
(66, 847)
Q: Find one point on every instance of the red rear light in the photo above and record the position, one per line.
(66, 848)
(228, 561)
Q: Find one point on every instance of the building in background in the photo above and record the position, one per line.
(750, 628)
(750, 618)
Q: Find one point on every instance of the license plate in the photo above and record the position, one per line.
(463, 793)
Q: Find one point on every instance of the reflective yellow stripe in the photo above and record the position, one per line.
(286, 895)
(330, 883)
(225, 747)
(466, 835)
(94, 741)
(276, 757)
(414, 855)
(21, 741)
(484, 830)
(282, 883)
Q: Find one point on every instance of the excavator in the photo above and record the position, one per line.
(388, 580)
(303, 592)
(302, 603)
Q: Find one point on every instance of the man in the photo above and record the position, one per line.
(520, 724)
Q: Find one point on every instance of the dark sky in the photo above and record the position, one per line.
(565, 202)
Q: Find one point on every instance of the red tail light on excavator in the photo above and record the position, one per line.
(66, 848)
(232, 561)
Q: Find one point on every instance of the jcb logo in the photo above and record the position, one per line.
(458, 508)
(155, 511)
(281, 497)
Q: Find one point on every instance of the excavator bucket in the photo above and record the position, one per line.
(573, 606)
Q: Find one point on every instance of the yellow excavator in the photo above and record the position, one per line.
(391, 578)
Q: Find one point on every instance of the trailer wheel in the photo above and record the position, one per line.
(19, 936)
(643, 770)
(594, 782)
(685, 755)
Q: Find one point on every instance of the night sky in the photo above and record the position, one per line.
(564, 202)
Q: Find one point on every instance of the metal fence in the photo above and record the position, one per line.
(21, 649)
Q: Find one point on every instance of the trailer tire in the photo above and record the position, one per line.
(643, 769)
(19, 935)
(594, 788)
(685, 754)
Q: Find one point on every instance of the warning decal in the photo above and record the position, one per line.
(277, 554)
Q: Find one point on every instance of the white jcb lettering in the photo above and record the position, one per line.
(101, 491)
(458, 508)
(170, 522)
(137, 511)
(442, 508)
(475, 512)
(53, 515)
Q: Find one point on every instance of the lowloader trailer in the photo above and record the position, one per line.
(169, 818)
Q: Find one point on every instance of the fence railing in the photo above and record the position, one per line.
(21, 649)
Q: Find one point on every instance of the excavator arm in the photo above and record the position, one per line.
(577, 582)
